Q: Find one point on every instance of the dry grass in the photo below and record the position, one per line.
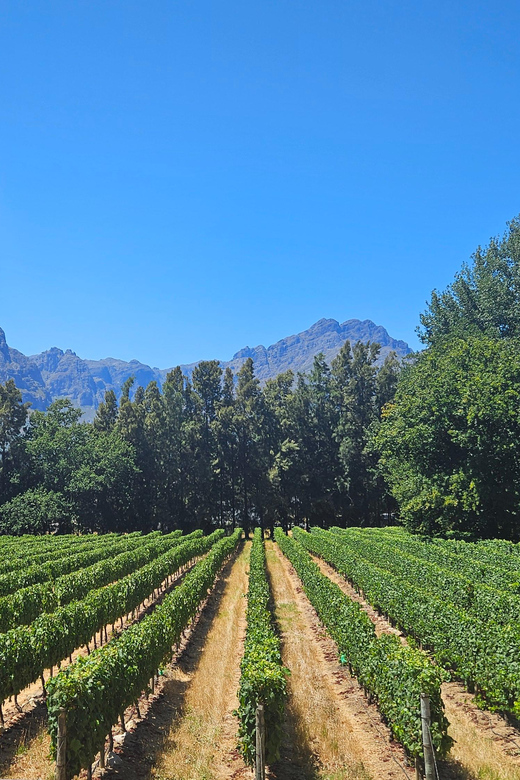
(31, 759)
(480, 757)
(201, 744)
(318, 743)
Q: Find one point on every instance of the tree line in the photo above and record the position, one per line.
(214, 450)
(433, 443)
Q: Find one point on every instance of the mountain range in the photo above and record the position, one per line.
(56, 373)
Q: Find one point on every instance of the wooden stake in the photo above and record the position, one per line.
(260, 743)
(102, 757)
(61, 747)
(429, 761)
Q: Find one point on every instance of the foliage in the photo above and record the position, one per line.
(484, 298)
(37, 511)
(450, 441)
(392, 673)
(213, 450)
(263, 676)
(14, 580)
(26, 651)
(95, 690)
(480, 652)
(24, 606)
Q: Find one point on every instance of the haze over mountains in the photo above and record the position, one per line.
(62, 374)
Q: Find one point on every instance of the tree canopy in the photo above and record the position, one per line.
(450, 438)
(450, 441)
(215, 449)
(484, 298)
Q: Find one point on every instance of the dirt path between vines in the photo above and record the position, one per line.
(201, 692)
(486, 746)
(331, 732)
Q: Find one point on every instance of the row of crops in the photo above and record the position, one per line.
(96, 689)
(59, 593)
(460, 601)
(392, 674)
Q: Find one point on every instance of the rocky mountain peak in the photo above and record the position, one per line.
(62, 374)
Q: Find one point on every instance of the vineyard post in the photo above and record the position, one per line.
(61, 747)
(429, 761)
(260, 743)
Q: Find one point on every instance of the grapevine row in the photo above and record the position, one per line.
(263, 677)
(482, 655)
(26, 544)
(14, 559)
(26, 604)
(500, 571)
(485, 602)
(95, 690)
(25, 652)
(393, 674)
(13, 581)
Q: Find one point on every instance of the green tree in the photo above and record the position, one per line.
(101, 489)
(37, 511)
(175, 455)
(225, 465)
(13, 417)
(207, 386)
(284, 462)
(252, 452)
(450, 441)
(107, 412)
(355, 387)
(484, 298)
(314, 418)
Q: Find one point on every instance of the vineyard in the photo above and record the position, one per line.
(346, 653)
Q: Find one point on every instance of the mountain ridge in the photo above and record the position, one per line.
(57, 373)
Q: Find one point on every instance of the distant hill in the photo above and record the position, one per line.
(57, 374)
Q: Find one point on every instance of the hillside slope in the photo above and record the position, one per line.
(62, 374)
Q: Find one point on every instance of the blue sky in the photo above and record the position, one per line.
(179, 179)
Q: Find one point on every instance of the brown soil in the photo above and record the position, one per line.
(486, 746)
(331, 731)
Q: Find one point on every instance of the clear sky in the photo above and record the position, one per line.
(181, 179)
